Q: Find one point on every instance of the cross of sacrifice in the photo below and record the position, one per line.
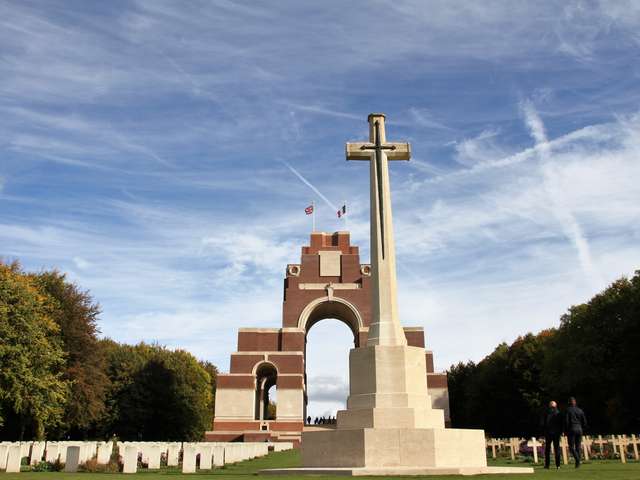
(378, 151)
(385, 327)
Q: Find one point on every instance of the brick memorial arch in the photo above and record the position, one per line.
(329, 282)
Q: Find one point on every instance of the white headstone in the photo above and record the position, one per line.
(282, 446)
(4, 451)
(73, 459)
(130, 459)
(218, 455)
(206, 456)
(173, 454)
(63, 451)
(231, 453)
(25, 449)
(14, 458)
(104, 452)
(262, 449)
(189, 453)
(37, 451)
(153, 457)
(89, 451)
(52, 452)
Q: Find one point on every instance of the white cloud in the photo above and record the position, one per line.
(479, 149)
(184, 115)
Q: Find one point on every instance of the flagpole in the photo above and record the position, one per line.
(313, 216)
(346, 226)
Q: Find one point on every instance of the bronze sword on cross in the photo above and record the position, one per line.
(378, 145)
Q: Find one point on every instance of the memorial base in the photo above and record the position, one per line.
(398, 471)
(396, 451)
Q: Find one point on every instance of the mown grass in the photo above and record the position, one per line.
(596, 470)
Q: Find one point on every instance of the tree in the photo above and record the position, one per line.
(156, 394)
(212, 370)
(33, 391)
(592, 355)
(595, 356)
(76, 315)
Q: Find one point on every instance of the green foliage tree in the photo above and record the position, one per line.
(33, 390)
(76, 315)
(592, 355)
(156, 394)
(212, 370)
(595, 356)
(57, 379)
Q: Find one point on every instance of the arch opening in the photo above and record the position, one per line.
(329, 341)
(265, 394)
(332, 308)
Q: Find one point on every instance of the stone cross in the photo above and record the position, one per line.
(514, 445)
(564, 444)
(533, 443)
(586, 447)
(385, 328)
(634, 442)
(601, 443)
(493, 443)
(621, 442)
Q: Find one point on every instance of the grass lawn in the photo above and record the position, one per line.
(601, 470)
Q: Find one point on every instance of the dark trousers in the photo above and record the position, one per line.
(575, 444)
(548, 440)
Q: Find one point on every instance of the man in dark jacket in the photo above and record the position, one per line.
(552, 432)
(575, 422)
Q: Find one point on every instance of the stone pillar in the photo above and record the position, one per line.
(73, 459)
(130, 458)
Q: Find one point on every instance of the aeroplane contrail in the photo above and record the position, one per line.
(310, 185)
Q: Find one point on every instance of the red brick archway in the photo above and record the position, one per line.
(329, 282)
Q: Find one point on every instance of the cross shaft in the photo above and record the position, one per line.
(385, 328)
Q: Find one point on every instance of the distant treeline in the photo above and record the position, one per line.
(593, 355)
(58, 380)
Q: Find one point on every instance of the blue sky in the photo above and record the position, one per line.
(148, 149)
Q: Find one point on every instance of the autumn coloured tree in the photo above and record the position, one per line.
(33, 387)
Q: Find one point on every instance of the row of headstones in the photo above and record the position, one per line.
(619, 444)
(12, 453)
(74, 454)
